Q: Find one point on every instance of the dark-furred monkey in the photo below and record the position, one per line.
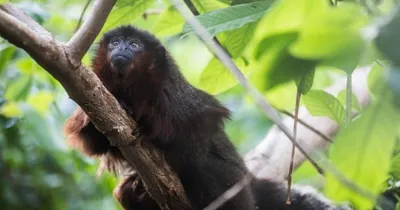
(185, 122)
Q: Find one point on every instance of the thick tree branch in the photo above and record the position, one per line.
(84, 37)
(84, 87)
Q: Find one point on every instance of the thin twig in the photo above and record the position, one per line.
(82, 14)
(302, 122)
(81, 41)
(296, 117)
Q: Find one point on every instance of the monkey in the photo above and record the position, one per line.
(186, 123)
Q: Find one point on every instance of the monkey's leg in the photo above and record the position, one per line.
(132, 195)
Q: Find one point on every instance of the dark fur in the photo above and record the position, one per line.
(186, 123)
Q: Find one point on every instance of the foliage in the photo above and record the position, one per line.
(282, 46)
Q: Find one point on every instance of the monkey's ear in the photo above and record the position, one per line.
(160, 51)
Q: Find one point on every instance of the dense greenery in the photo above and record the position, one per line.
(282, 46)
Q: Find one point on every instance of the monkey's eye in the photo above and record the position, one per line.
(115, 42)
(134, 44)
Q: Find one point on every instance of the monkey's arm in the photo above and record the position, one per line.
(82, 134)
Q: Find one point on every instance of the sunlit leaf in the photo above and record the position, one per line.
(28, 66)
(278, 66)
(229, 18)
(234, 2)
(215, 78)
(321, 103)
(339, 31)
(41, 101)
(367, 141)
(305, 83)
(11, 109)
(203, 6)
(19, 88)
(287, 16)
(237, 40)
(354, 100)
(169, 22)
(126, 12)
(376, 79)
(226, 1)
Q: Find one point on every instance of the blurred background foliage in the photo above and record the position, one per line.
(315, 42)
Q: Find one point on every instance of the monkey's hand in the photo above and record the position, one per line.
(132, 194)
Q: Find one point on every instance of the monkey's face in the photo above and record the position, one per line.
(122, 52)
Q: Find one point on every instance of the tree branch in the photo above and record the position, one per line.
(84, 37)
(84, 87)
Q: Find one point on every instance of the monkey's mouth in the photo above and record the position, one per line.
(120, 60)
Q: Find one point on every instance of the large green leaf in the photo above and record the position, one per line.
(203, 6)
(215, 78)
(362, 152)
(229, 18)
(321, 103)
(339, 29)
(287, 16)
(169, 22)
(236, 41)
(278, 66)
(126, 12)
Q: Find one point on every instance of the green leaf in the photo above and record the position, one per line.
(19, 88)
(287, 16)
(41, 101)
(235, 2)
(229, 18)
(321, 103)
(362, 152)
(395, 167)
(11, 109)
(3, 1)
(203, 6)
(389, 34)
(126, 12)
(354, 101)
(215, 78)
(376, 79)
(278, 66)
(169, 22)
(5, 56)
(305, 83)
(226, 1)
(237, 40)
(339, 31)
